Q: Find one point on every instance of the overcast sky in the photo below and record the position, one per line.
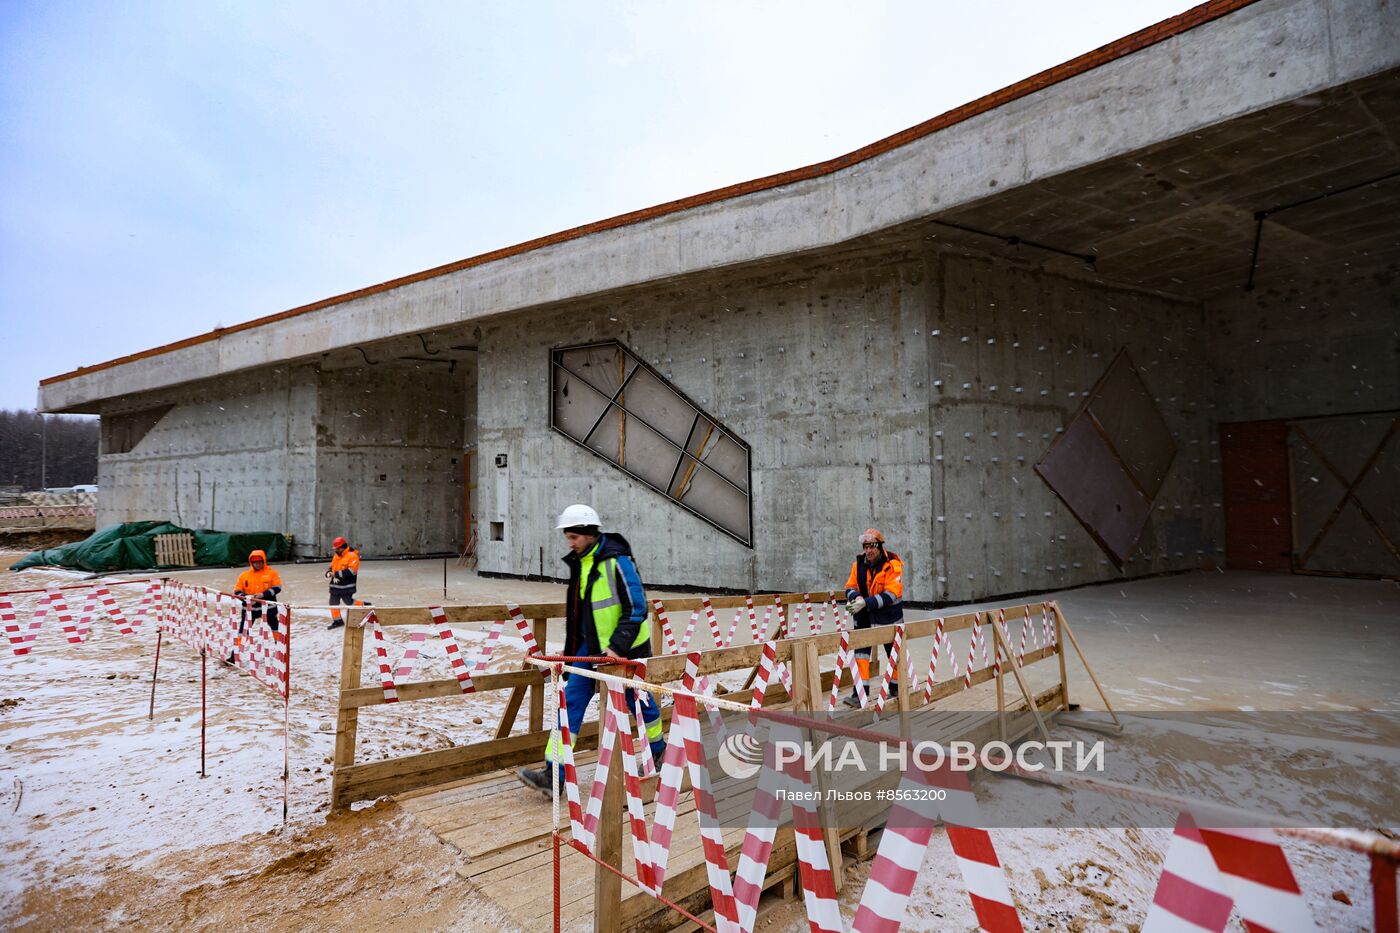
(166, 168)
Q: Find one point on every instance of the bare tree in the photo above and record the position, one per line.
(38, 451)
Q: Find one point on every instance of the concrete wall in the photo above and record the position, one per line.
(1015, 352)
(913, 392)
(372, 453)
(1308, 346)
(388, 458)
(236, 454)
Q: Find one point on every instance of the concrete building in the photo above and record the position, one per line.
(894, 338)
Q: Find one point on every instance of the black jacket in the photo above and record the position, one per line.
(578, 626)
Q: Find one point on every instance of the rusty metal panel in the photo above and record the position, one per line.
(1133, 424)
(1085, 473)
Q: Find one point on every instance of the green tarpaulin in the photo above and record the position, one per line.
(132, 546)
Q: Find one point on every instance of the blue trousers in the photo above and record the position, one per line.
(580, 691)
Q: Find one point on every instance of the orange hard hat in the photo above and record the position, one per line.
(871, 536)
(339, 542)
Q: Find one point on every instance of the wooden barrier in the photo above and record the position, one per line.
(354, 781)
(351, 781)
(811, 687)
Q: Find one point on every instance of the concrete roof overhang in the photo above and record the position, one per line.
(1154, 155)
(1308, 188)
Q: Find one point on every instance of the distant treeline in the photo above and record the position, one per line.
(33, 454)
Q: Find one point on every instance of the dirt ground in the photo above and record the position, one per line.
(107, 822)
(25, 540)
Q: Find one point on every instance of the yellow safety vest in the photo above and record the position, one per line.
(603, 600)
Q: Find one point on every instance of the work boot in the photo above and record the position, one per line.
(231, 660)
(336, 623)
(538, 778)
(851, 700)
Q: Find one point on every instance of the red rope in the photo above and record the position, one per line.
(626, 877)
(601, 659)
(1383, 891)
(556, 881)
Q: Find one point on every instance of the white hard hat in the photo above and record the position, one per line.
(578, 514)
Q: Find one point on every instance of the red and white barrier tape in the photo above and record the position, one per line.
(891, 669)
(52, 600)
(667, 634)
(208, 621)
(713, 622)
(907, 834)
(897, 863)
(689, 631)
(1207, 872)
(938, 638)
(972, 654)
(393, 676)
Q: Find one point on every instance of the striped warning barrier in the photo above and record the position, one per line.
(670, 638)
(891, 669)
(689, 632)
(908, 832)
(209, 622)
(1209, 872)
(393, 676)
(712, 621)
(52, 603)
(20, 638)
(972, 654)
(381, 650)
(818, 885)
(844, 662)
(938, 638)
(456, 663)
(893, 875)
(765, 673)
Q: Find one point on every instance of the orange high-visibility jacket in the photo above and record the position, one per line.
(882, 586)
(345, 569)
(256, 582)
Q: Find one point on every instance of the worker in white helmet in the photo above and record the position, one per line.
(606, 615)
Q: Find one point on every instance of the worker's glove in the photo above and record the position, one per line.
(268, 595)
(239, 593)
(855, 605)
(328, 575)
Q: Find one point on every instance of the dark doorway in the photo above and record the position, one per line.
(1254, 480)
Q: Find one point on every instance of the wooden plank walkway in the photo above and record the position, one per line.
(501, 827)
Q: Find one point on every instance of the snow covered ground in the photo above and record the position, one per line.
(106, 821)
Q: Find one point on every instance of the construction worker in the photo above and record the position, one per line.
(344, 575)
(606, 615)
(874, 596)
(257, 586)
